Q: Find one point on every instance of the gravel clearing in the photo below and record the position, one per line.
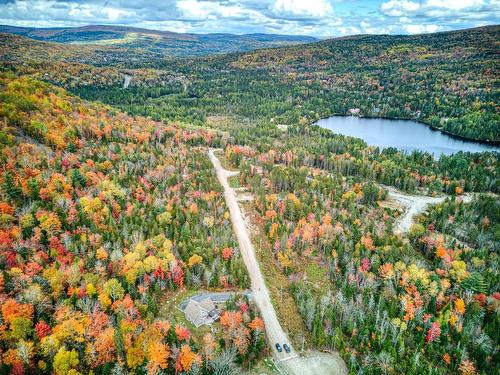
(413, 206)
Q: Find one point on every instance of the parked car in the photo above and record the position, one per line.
(278, 348)
(286, 347)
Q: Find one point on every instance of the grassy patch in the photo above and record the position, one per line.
(315, 273)
(226, 164)
(234, 182)
(221, 122)
(317, 276)
(127, 38)
(266, 366)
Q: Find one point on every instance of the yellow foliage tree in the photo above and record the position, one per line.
(194, 260)
(158, 354)
(65, 362)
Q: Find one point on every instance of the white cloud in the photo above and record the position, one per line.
(398, 8)
(201, 10)
(40, 11)
(372, 27)
(349, 30)
(367, 28)
(303, 8)
(454, 4)
(306, 17)
(440, 8)
(421, 29)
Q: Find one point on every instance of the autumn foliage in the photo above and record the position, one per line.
(102, 215)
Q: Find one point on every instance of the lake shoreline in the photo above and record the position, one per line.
(403, 134)
(433, 128)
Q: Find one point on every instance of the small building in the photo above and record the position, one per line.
(205, 308)
(203, 312)
(256, 169)
(354, 111)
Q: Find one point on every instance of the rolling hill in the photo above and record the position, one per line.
(447, 80)
(166, 43)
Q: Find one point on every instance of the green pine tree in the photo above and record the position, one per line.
(11, 188)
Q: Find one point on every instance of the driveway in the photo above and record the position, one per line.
(414, 205)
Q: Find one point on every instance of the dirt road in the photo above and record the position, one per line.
(259, 290)
(126, 80)
(314, 363)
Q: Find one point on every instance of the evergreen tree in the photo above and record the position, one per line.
(11, 188)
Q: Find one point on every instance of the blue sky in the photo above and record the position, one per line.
(321, 18)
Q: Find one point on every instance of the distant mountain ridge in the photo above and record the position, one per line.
(171, 43)
(448, 80)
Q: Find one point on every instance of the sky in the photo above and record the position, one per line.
(320, 18)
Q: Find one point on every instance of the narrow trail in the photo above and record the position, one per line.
(315, 363)
(126, 80)
(413, 206)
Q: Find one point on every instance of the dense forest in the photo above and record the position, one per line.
(447, 80)
(110, 208)
(422, 303)
(102, 216)
(397, 77)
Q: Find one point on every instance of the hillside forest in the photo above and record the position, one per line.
(111, 212)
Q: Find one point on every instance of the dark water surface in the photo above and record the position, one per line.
(401, 134)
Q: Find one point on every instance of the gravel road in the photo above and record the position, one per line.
(126, 80)
(260, 293)
(315, 363)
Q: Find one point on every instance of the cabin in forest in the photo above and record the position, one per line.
(205, 308)
(256, 169)
(202, 312)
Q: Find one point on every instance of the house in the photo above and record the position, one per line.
(354, 111)
(203, 312)
(256, 169)
(205, 308)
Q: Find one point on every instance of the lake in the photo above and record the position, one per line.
(401, 134)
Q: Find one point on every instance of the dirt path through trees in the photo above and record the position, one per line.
(126, 80)
(294, 364)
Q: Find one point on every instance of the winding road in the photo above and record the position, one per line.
(314, 363)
